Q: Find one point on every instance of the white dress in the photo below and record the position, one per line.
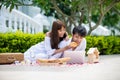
(43, 50)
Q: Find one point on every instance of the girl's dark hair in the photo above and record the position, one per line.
(80, 30)
(55, 39)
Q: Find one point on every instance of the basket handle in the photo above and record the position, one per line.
(11, 58)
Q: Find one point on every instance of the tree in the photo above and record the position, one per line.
(74, 12)
(112, 18)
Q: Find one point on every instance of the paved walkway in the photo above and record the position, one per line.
(107, 69)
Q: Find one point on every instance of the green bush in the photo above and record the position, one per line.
(20, 42)
(105, 44)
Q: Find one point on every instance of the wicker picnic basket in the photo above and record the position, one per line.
(7, 58)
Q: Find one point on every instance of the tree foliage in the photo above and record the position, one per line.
(75, 12)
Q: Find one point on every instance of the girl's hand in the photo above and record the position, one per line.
(67, 37)
(71, 45)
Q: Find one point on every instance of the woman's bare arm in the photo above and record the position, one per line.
(61, 49)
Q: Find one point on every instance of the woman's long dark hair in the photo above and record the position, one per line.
(55, 39)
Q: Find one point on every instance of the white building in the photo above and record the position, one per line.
(25, 18)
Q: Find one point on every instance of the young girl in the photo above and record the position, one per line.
(52, 46)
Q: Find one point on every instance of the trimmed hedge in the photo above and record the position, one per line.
(105, 44)
(20, 42)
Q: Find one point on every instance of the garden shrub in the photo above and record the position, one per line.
(20, 42)
(105, 44)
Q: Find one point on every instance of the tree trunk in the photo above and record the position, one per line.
(89, 32)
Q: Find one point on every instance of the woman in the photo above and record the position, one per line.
(52, 46)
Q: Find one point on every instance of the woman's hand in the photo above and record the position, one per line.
(67, 37)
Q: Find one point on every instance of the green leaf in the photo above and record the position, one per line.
(11, 7)
(16, 6)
